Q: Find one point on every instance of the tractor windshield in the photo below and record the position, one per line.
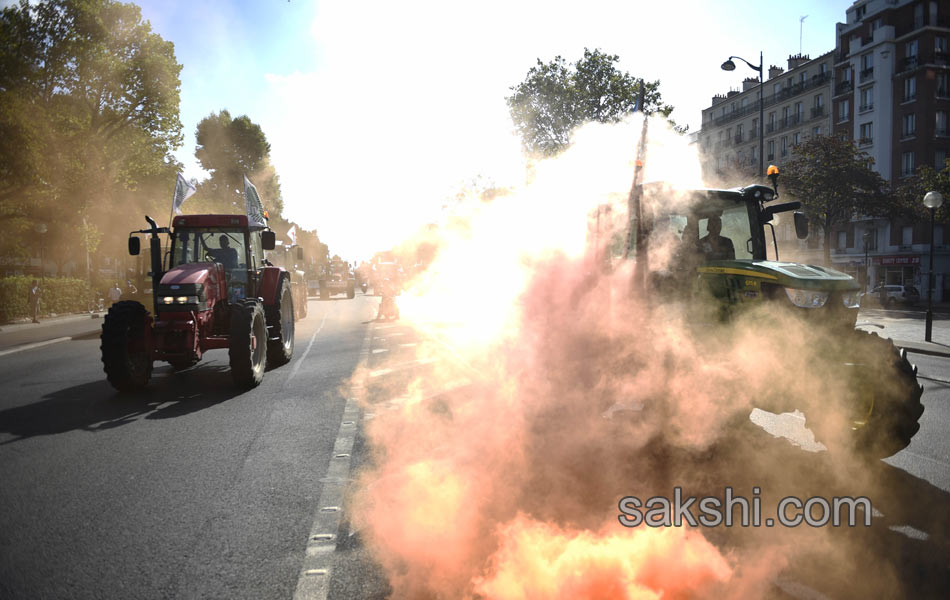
(220, 245)
(710, 231)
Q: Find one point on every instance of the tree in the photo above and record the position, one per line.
(556, 97)
(89, 100)
(834, 182)
(228, 148)
(910, 194)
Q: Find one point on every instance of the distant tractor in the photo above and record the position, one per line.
(291, 259)
(337, 279)
(212, 290)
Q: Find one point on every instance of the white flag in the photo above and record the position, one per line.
(183, 190)
(292, 234)
(254, 207)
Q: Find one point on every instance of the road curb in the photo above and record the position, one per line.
(917, 349)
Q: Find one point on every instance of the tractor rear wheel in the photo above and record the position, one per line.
(280, 321)
(247, 350)
(885, 408)
(126, 355)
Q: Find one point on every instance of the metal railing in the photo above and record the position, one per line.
(817, 111)
(867, 74)
(843, 87)
(783, 94)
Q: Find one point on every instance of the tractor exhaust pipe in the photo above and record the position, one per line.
(155, 249)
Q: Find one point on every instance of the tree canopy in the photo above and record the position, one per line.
(89, 116)
(228, 148)
(556, 97)
(835, 181)
(910, 194)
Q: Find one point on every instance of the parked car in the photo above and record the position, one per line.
(894, 295)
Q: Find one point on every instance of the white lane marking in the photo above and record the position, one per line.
(378, 350)
(409, 345)
(307, 351)
(313, 583)
(34, 345)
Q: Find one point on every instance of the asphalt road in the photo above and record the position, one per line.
(190, 489)
(194, 490)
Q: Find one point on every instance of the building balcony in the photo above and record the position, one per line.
(907, 63)
(737, 139)
(770, 127)
(865, 141)
(865, 107)
(867, 74)
(770, 156)
(843, 87)
(817, 111)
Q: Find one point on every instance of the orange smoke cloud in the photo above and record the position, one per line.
(542, 560)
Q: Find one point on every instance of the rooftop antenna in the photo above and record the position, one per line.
(801, 25)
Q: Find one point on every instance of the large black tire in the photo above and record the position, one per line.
(248, 349)
(280, 325)
(886, 396)
(126, 357)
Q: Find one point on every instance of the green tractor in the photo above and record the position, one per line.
(713, 247)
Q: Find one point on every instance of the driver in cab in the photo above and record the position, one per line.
(226, 255)
(715, 246)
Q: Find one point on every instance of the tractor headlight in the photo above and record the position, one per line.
(851, 299)
(168, 300)
(187, 299)
(807, 298)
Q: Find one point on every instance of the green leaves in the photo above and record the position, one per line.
(556, 97)
(89, 113)
(228, 148)
(834, 182)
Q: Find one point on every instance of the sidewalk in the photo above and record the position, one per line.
(13, 335)
(906, 328)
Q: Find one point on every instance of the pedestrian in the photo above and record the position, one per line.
(115, 293)
(34, 300)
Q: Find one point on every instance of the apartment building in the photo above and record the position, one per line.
(795, 104)
(892, 97)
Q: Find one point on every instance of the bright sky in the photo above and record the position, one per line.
(377, 110)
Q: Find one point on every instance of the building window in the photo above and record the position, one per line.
(872, 239)
(940, 46)
(866, 133)
(816, 130)
(822, 68)
(777, 88)
(755, 153)
(842, 240)
(907, 164)
(844, 110)
(907, 235)
(867, 62)
(798, 111)
(819, 101)
(943, 89)
(910, 49)
(867, 98)
(771, 147)
(910, 125)
(784, 145)
(940, 160)
(942, 122)
(859, 12)
(910, 89)
(755, 127)
(918, 16)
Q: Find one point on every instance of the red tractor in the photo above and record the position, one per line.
(212, 290)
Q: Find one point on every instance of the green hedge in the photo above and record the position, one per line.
(60, 295)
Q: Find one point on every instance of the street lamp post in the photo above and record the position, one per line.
(731, 66)
(933, 201)
(867, 268)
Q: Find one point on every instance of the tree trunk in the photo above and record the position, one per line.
(826, 234)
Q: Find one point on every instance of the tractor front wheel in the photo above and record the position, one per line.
(247, 351)
(126, 355)
(280, 320)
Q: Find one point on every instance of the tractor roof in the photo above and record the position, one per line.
(237, 221)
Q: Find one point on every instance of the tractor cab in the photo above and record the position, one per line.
(224, 240)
